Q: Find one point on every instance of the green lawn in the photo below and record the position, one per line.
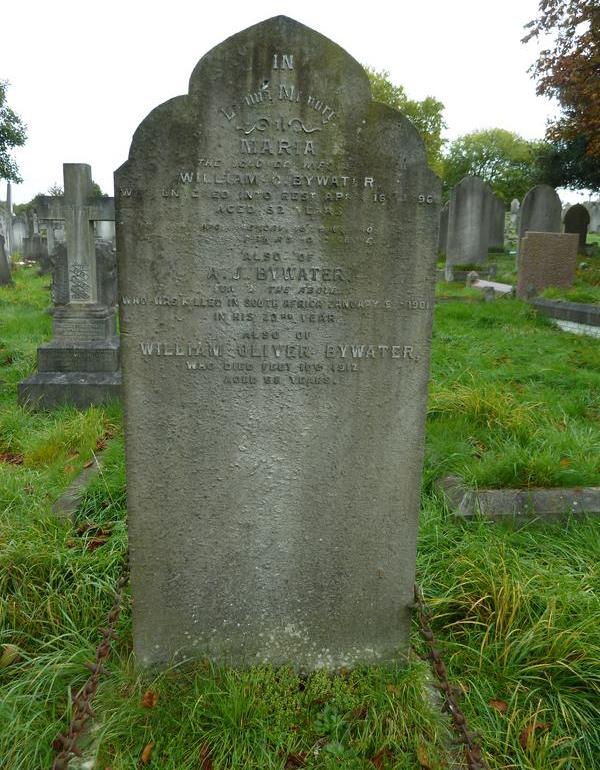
(513, 401)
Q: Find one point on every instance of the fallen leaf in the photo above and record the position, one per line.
(100, 444)
(360, 712)
(206, 762)
(295, 760)
(88, 464)
(10, 457)
(10, 654)
(530, 730)
(500, 705)
(393, 688)
(423, 758)
(379, 760)
(149, 699)
(564, 462)
(95, 542)
(69, 469)
(147, 753)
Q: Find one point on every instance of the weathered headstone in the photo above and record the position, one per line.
(468, 222)
(35, 249)
(276, 237)
(19, 227)
(514, 213)
(577, 220)
(497, 223)
(593, 208)
(81, 365)
(5, 277)
(443, 231)
(106, 274)
(540, 211)
(546, 259)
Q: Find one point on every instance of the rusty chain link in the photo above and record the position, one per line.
(473, 753)
(66, 743)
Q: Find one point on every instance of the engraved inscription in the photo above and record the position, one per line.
(79, 283)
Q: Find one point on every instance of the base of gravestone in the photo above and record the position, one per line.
(86, 356)
(47, 390)
(83, 322)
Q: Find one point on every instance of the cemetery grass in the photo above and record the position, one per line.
(517, 610)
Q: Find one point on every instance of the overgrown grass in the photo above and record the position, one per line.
(513, 401)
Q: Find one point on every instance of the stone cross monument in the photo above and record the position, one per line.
(81, 365)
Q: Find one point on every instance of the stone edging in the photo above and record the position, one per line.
(535, 503)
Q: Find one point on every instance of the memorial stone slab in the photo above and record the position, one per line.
(541, 211)
(546, 259)
(468, 222)
(497, 224)
(5, 277)
(443, 232)
(276, 238)
(577, 220)
(593, 208)
(514, 213)
(81, 364)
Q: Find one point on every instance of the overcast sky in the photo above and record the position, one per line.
(83, 75)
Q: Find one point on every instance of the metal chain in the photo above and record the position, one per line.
(471, 742)
(66, 743)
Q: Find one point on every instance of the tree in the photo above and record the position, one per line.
(505, 160)
(426, 116)
(568, 164)
(12, 134)
(569, 70)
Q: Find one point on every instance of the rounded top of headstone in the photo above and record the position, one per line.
(541, 191)
(239, 83)
(577, 214)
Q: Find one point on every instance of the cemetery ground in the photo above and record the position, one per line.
(514, 402)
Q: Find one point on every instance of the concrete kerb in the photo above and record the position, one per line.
(545, 505)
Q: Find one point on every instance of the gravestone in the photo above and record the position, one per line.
(443, 231)
(541, 211)
(35, 249)
(497, 223)
(5, 277)
(19, 227)
(577, 220)
(468, 222)
(81, 364)
(514, 213)
(593, 208)
(106, 274)
(546, 259)
(276, 238)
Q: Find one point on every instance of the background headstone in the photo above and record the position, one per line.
(468, 222)
(497, 223)
(577, 220)
(593, 208)
(443, 231)
(546, 259)
(81, 364)
(5, 277)
(276, 237)
(541, 211)
(514, 213)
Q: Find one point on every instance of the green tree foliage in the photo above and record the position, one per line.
(426, 116)
(12, 134)
(569, 71)
(505, 160)
(568, 163)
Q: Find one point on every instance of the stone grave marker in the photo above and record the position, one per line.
(497, 223)
(514, 213)
(541, 211)
(276, 238)
(81, 364)
(443, 231)
(5, 277)
(593, 208)
(546, 259)
(468, 223)
(577, 220)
